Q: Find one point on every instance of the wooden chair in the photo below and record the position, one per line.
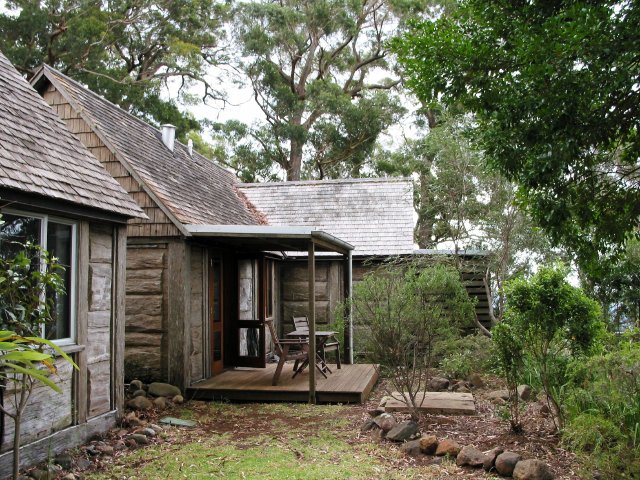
(290, 349)
(333, 344)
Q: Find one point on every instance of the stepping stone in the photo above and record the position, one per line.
(178, 422)
(443, 403)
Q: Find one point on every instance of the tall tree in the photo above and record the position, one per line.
(318, 70)
(554, 86)
(122, 49)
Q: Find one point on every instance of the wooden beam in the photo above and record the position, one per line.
(311, 270)
(118, 318)
(348, 291)
(178, 319)
(81, 393)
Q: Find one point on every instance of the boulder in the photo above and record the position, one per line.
(386, 422)
(532, 470)
(65, 461)
(491, 458)
(438, 384)
(411, 448)
(476, 381)
(139, 438)
(159, 389)
(148, 432)
(470, 456)
(368, 425)
(135, 385)
(498, 395)
(506, 462)
(139, 393)
(178, 400)
(524, 392)
(448, 447)
(403, 431)
(160, 403)
(428, 444)
(140, 403)
(376, 411)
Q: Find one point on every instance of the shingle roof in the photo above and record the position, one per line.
(374, 215)
(194, 189)
(39, 155)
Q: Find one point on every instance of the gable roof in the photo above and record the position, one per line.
(376, 216)
(38, 155)
(189, 189)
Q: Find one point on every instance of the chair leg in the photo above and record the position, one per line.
(338, 357)
(276, 376)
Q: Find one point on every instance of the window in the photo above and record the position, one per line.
(58, 237)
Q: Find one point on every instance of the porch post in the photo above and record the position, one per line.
(311, 269)
(348, 292)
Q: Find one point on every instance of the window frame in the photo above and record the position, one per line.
(72, 294)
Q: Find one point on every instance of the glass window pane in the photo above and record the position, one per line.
(16, 231)
(59, 245)
(249, 342)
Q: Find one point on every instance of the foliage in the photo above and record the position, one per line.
(603, 410)
(509, 356)
(406, 311)
(461, 357)
(554, 89)
(554, 322)
(122, 50)
(317, 69)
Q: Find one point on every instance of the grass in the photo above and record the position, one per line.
(268, 441)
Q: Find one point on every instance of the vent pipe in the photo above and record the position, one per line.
(190, 147)
(169, 136)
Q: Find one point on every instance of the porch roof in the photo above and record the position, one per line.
(271, 238)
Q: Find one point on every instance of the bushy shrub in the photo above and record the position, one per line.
(463, 356)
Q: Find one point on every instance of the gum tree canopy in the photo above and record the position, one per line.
(555, 89)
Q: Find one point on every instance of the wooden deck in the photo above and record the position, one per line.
(350, 384)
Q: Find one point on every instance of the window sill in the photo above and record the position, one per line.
(73, 348)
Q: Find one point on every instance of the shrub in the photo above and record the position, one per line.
(463, 356)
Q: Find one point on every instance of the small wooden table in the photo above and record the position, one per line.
(322, 336)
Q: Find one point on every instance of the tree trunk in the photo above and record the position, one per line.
(294, 168)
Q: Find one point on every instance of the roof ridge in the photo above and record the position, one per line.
(328, 181)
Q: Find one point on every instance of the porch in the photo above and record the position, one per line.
(350, 384)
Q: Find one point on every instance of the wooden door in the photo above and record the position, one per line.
(216, 320)
(249, 327)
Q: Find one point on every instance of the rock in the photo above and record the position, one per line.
(506, 462)
(376, 411)
(476, 380)
(156, 428)
(470, 456)
(65, 461)
(159, 389)
(160, 403)
(69, 476)
(524, 392)
(386, 422)
(498, 394)
(135, 385)
(368, 425)
(139, 438)
(461, 388)
(428, 444)
(119, 446)
(532, 470)
(490, 459)
(403, 431)
(544, 409)
(139, 393)
(438, 384)
(131, 443)
(148, 432)
(45, 474)
(140, 403)
(105, 449)
(384, 401)
(448, 447)
(411, 448)
(132, 419)
(82, 463)
(178, 399)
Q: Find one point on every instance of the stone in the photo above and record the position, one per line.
(498, 395)
(119, 446)
(438, 384)
(178, 399)
(384, 401)
(139, 393)
(490, 459)
(149, 432)
(105, 449)
(524, 392)
(69, 476)
(82, 463)
(139, 438)
(403, 431)
(544, 409)
(139, 403)
(448, 447)
(411, 448)
(470, 456)
(428, 444)
(376, 411)
(460, 387)
(160, 403)
(65, 461)
(386, 422)
(368, 425)
(135, 385)
(532, 470)
(476, 381)
(156, 428)
(159, 389)
(132, 419)
(506, 462)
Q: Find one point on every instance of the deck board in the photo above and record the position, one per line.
(350, 384)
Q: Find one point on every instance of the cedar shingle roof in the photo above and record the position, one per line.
(194, 189)
(39, 155)
(374, 215)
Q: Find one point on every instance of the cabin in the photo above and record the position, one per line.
(204, 270)
(54, 193)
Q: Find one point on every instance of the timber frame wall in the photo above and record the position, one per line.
(93, 395)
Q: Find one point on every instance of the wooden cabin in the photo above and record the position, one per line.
(54, 193)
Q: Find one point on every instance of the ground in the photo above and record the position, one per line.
(299, 441)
